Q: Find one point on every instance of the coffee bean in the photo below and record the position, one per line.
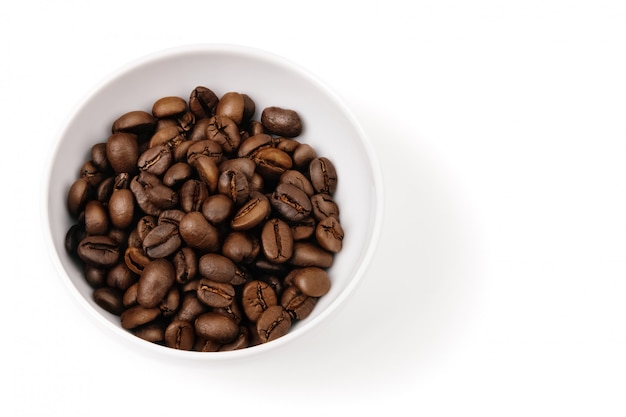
(291, 202)
(152, 332)
(255, 143)
(297, 179)
(168, 107)
(204, 147)
(198, 233)
(217, 208)
(180, 334)
(216, 327)
(216, 267)
(257, 296)
(192, 195)
(309, 254)
(122, 151)
(272, 162)
(224, 131)
(77, 196)
(96, 218)
(99, 251)
(323, 175)
(277, 241)
(176, 174)
(252, 213)
(232, 106)
(162, 241)
(138, 122)
(136, 316)
(329, 234)
(296, 303)
(215, 294)
(281, 122)
(311, 281)
(109, 299)
(99, 156)
(121, 208)
(240, 247)
(135, 259)
(207, 171)
(202, 102)
(155, 160)
(120, 277)
(155, 281)
(170, 137)
(273, 323)
(185, 264)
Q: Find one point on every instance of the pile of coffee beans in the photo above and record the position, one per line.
(202, 227)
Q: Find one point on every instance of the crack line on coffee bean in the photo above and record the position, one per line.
(285, 199)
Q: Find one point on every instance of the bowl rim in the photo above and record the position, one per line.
(248, 52)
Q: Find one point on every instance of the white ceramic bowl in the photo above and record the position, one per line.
(270, 81)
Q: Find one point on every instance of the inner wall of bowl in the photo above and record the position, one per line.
(269, 82)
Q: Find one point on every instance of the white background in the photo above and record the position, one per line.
(498, 287)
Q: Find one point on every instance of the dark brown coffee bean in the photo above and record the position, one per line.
(232, 106)
(176, 174)
(277, 241)
(96, 218)
(135, 259)
(96, 277)
(322, 206)
(244, 165)
(207, 171)
(151, 332)
(155, 160)
(216, 267)
(172, 216)
(309, 254)
(234, 184)
(242, 341)
(166, 122)
(240, 247)
(138, 122)
(215, 294)
(186, 120)
(162, 241)
(99, 156)
(257, 296)
(145, 225)
(224, 131)
(109, 299)
(217, 208)
(281, 122)
(168, 107)
(253, 144)
(192, 195)
(105, 189)
(297, 179)
(252, 213)
(130, 296)
(323, 175)
(185, 264)
(216, 327)
(74, 235)
(202, 102)
(299, 305)
(91, 173)
(291, 202)
(273, 323)
(121, 208)
(329, 234)
(303, 155)
(180, 334)
(138, 315)
(154, 283)
(170, 303)
(77, 196)
(170, 137)
(151, 195)
(207, 148)
(121, 277)
(99, 251)
(198, 233)
(303, 229)
(233, 311)
(255, 127)
(122, 152)
(191, 307)
(311, 281)
(271, 162)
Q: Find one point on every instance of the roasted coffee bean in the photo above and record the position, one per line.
(186, 120)
(234, 184)
(176, 174)
(299, 305)
(130, 296)
(170, 137)
(281, 122)
(224, 131)
(191, 307)
(109, 299)
(77, 196)
(311, 281)
(96, 277)
(253, 144)
(136, 316)
(172, 216)
(272, 162)
(207, 171)
(138, 122)
(205, 147)
(215, 294)
(256, 183)
(155, 160)
(90, 172)
(192, 195)
(99, 251)
(120, 277)
(329, 234)
(252, 213)
(217, 208)
(180, 334)
(105, 189)
(162, 241)
(232, 106)
(309, 254)
(135, 259)
(198, 132)
(74, 235)
(273, 323)
(121, 208)
(198, 233)
(297, 179)
(216, 267)
(323, 175)
(216, 327)
(244, 165)
(233, 311)
(242, 341)
(185, 265)
(154, 283)
(170, 303)
(99, 156)
(303, 229)
(202, 102)
(145, 225)
(303, 155)
(96, 218)
(322, 206)
(168, 107)
(291, 202)
(257, 296)
(151, 332)
(277, 241)
(122, 151)
(240, 247)
(151, 195)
